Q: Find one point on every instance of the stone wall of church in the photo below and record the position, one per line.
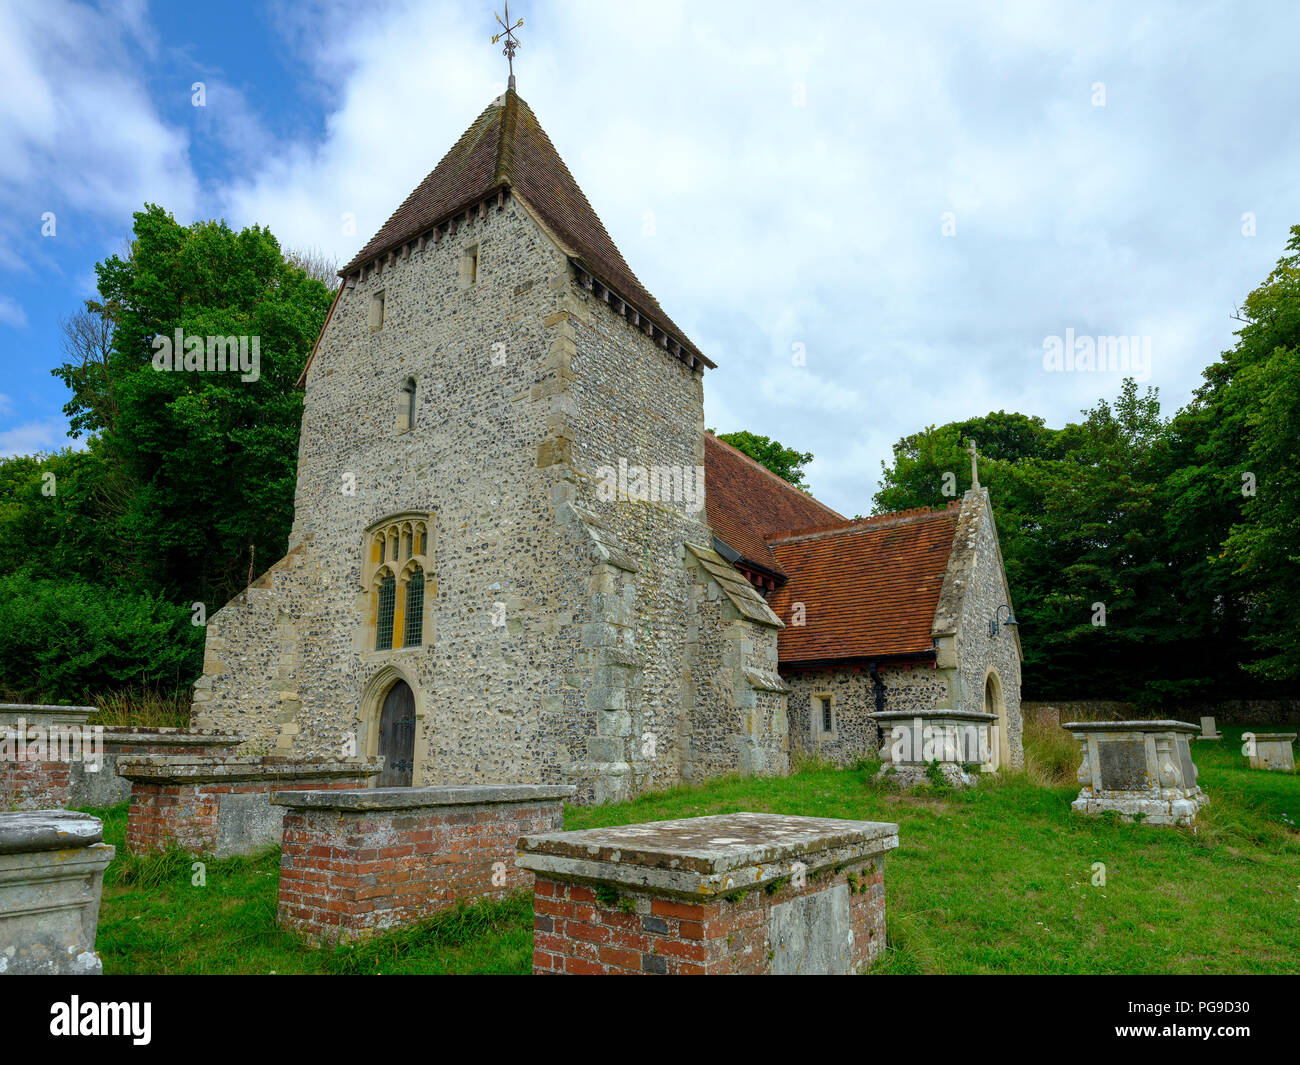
(292, 667)
(735, 722)
(979, 654)
(853, 696)
(632, 406)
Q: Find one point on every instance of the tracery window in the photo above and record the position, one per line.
(396, 565)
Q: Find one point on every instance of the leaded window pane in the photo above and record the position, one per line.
(384, 622)
(414, 610)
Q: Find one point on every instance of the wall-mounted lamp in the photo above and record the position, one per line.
(1010, 621)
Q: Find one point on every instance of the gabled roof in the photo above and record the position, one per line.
(506, 149)
(746, 503)
(869, 589)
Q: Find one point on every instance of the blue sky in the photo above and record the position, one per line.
(916, 198)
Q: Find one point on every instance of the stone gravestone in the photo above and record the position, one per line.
(1208, 731)
(52, 866)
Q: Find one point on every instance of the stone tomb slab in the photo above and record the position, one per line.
(1274, 752)
(357, 862)
(730, 893)
(52, 866)
(1141, 770)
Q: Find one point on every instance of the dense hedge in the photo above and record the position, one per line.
(63, 640)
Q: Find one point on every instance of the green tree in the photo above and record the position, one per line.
(1251, 403)
(785, 462)
(201, 463)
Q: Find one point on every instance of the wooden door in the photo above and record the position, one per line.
(397, 736)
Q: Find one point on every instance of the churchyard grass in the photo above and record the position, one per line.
(1001, 879)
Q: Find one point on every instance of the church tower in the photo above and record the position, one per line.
(500, 568)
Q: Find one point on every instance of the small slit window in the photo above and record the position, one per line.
(469, 266)
(406, 406)
(377, 311)
(823, 714)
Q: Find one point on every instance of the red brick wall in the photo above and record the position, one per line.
(185, 815)
(47, 784)
(347, 874)
(34, 785)
(573, 932)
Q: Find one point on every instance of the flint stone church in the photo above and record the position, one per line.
(463, 592)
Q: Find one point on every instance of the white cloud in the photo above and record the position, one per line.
(79, 134)
(31, 437)
(797, 165)
(11, 313)
(821, 224)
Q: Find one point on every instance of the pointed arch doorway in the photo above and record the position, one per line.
(397, 736)
(996, 705)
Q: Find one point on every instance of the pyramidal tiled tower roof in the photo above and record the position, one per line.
(506, 150)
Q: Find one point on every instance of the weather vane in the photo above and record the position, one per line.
(508, 32)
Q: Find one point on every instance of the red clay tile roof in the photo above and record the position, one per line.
(869, 588)
(747, 503)
(506, 148)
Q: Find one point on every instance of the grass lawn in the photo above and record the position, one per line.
(994, 880)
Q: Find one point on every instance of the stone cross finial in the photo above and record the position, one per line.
(974, 467)
(508, 32)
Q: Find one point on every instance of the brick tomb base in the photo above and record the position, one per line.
(742, 893)
(52, 766)
(222, 806)
(355, 863)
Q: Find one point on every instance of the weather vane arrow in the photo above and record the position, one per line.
(508, 32)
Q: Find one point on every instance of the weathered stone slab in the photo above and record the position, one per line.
(1273, 752)
(1123, 764)
(51, 875)
(1208, 731)
(1142, 770)
(812, 934)
(729, 893)
(359, 862)
(12, 714)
